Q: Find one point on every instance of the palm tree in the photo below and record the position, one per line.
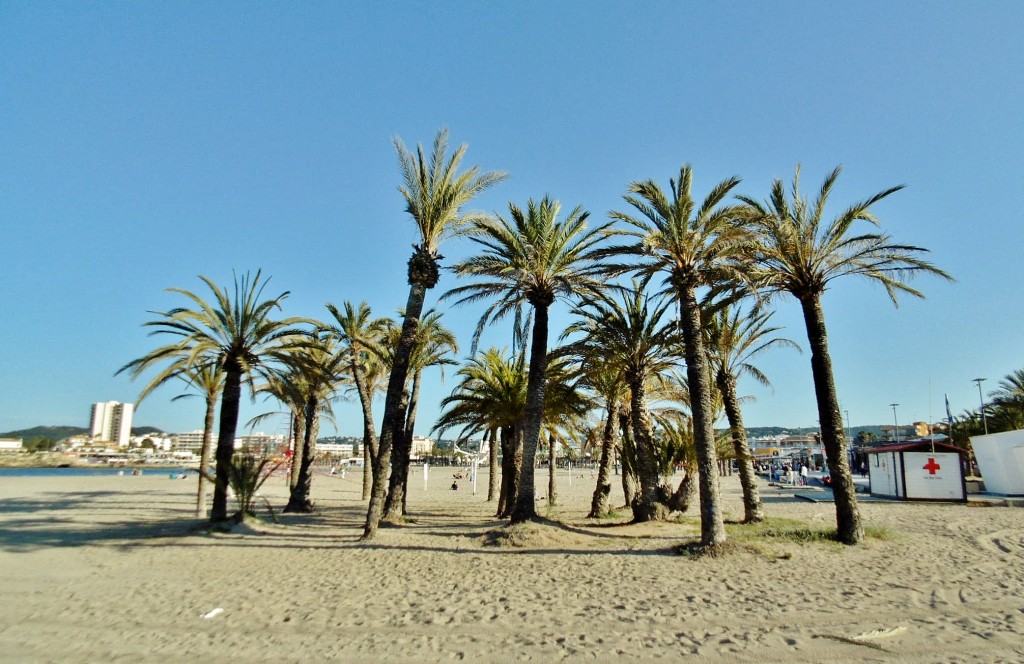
(434, 343)
(208, 379)
(312, 377)
(734, 338)
(1006, 404)
(237, 332)
(695, 248)
(360, 334)
(605, 379)
(635, 337)
(435, 193)
(532, 257)
(801, 254)
(491, 395)
(566, 405)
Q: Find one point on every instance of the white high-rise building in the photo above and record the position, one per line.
(112, 422)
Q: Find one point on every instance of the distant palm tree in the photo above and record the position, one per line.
(636, 336)
(434, 344)
(312, 377)
(694, 247)
(208, 379)
(1006, 404)
(532, 258)
(360, 334)
(734, 338)
(604, 377)
(491, 395)
(801, 253)
(236, 330)
(435, 193)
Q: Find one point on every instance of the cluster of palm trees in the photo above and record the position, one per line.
(660, 354)
(1002, 411)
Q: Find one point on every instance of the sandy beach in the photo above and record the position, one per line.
(111, 569)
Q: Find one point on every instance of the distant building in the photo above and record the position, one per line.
(10, 445)
(421, 447)
(191, 441)
(340, 450)
(112, 422)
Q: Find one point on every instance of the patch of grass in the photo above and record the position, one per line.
(779, 530)
(884, 533)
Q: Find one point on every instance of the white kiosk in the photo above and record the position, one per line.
(918, 470)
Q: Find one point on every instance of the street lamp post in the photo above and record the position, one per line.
(896, 423)
(982, 400)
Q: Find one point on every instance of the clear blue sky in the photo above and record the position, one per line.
(142, 144)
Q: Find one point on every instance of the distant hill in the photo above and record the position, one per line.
(56, 433)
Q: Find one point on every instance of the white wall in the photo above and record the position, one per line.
(1001, 461)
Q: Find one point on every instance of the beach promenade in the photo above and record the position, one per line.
(114, 569)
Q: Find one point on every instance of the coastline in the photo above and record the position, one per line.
(109, 568)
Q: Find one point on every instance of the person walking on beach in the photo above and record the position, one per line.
(803, 474)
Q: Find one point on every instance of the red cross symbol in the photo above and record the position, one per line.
(931, 466)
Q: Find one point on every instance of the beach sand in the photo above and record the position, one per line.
(114, 569)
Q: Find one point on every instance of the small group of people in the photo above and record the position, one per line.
(790, 474)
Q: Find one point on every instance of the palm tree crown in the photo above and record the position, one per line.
(530, 257)
(799, 252)
(435, 191)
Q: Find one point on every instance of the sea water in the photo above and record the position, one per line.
(155, 471)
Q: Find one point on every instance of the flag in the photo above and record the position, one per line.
(949, 415)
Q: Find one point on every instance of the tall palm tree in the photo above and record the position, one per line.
(434, 193)
(734, 338)
(360, 335)
(801, 253)
(237, 332)
(434, 344)
(208, 379)
(694, 247)
(641, 343)
(532, 257)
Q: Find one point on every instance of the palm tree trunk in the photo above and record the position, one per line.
(204, 455)
(628, 457)
(525, 509)
(394, 414)
(229, 401)
(848, 524)
(509, 470)
(299, 499)
(492, 466)
(712, 527)
(600, 504)
(552, 498)
(298, 448)
(753, 511)
(646, 505)
(399, 457)
(369, 433)
(394, 506)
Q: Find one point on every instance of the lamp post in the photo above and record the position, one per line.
(896, 423)
(982, 400)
